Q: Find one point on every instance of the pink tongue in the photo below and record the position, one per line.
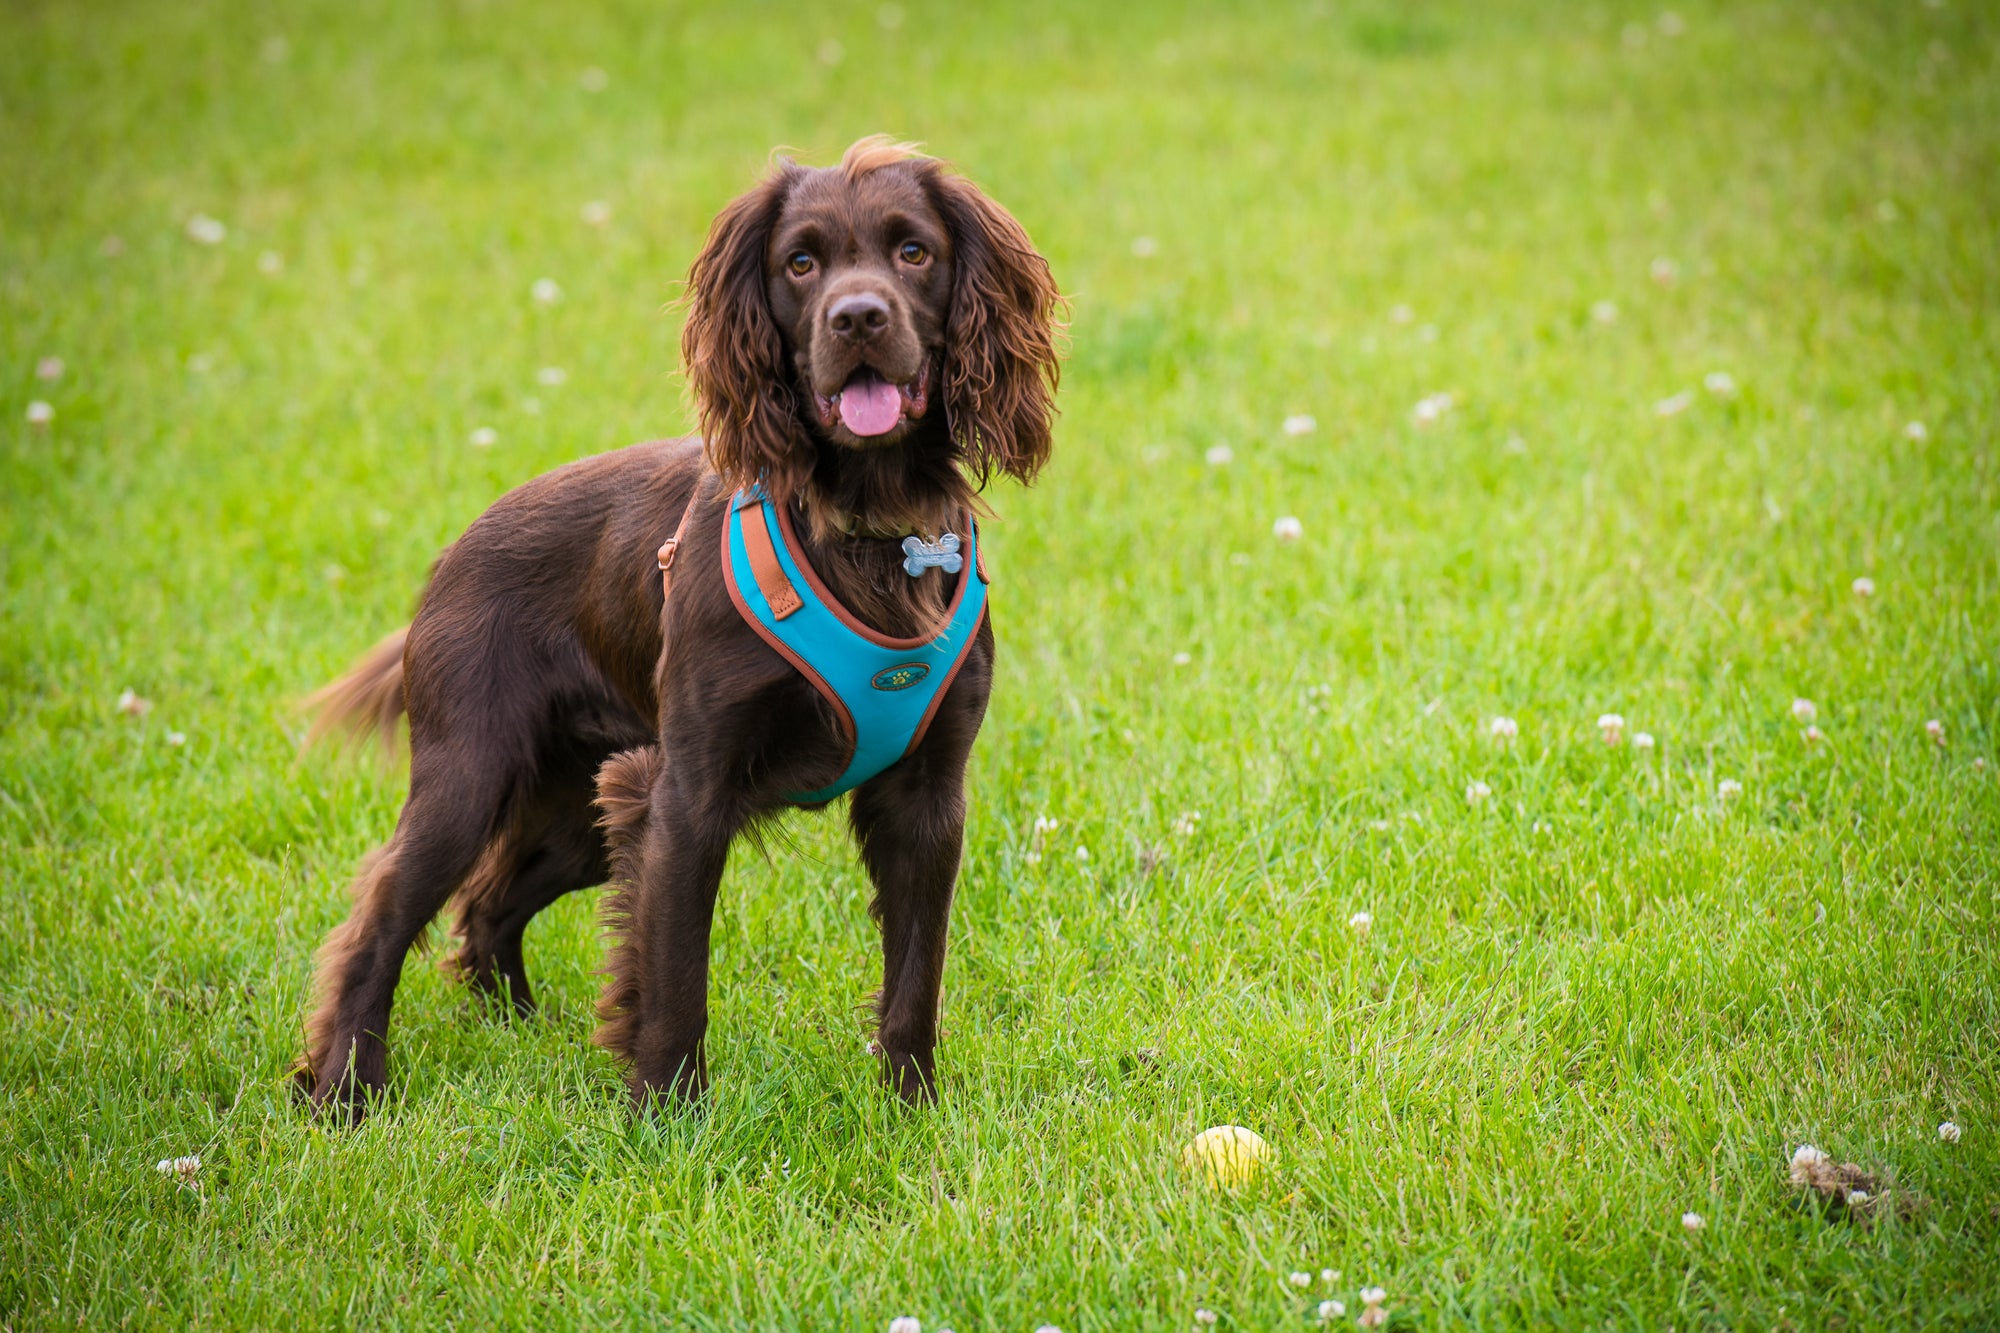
(870, 406)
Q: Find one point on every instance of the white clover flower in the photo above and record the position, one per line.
(205, 229)
(1642, 740)
(1611, 728)
(1430, 408)
(551, 376)
(1144, 247)
(1476, 791)
(1330, 1311)
(1674, 405)
(1857, 1198)
(1220, 455)
(1806, 1160)
(1503, 729)
(1300, 1280)
(49, 368)
(1401, 314)
(130, 702)
(1949, 1132)
(1804, 711)
(270, 263)
(1182, 659)
(1360, 922)
(1918, 431)
(1048, 1328)
(1728, 789)
(546, 291)
(1287, 528)
(1719, 383)
(1300, 424)
(177, 738)
(905, 1324)
(1864, 587)
(1693, 1221)
(1329, 1275)
(1184, 825)
(483, 437)
(593, 80)
(1604, 312)
(597, 212)
(1034, 858)
(1082, 853)
(1043, 824)
(40, 413)
(181, 1170)
(1935, 730)
(874, 1046)
(1663, 271)
(1812, 735)
(1203, 1315)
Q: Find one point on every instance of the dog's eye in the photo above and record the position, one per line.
(913, 254)
(800, 264)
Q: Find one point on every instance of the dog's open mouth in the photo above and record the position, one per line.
(870, 405)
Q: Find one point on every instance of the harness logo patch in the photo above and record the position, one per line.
(900, 677)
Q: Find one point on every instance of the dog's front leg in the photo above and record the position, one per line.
(655, 1007)
(911, 826)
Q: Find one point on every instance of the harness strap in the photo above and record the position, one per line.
(771, 581)
(672, 545)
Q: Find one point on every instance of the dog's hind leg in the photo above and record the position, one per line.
(455, 807)
(551, 848)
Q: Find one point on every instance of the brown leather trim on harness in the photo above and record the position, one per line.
(771, 581)
(804, 668)
(848, 618)
(672, 545)
(945, 688)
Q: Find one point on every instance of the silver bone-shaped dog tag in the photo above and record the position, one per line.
(920, 555)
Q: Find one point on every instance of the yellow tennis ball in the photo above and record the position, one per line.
(1228, 1155)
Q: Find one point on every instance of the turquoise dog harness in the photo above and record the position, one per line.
(884, 690)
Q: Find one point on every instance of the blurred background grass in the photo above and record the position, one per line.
(1595, 999)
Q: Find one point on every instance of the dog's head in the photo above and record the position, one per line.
(862, 306)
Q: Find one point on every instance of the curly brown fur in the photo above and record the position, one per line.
(332, 960)
(624, 787)
(367, 701)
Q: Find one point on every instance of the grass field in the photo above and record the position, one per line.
(1715, 299)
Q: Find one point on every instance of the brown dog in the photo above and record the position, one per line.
(869, 342)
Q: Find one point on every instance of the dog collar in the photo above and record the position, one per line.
(884, 690)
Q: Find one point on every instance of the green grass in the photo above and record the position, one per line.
(1598, 999)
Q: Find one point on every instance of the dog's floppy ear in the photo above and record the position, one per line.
(1000, 366)
(732, 351)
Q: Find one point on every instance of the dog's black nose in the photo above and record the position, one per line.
(859, 317)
